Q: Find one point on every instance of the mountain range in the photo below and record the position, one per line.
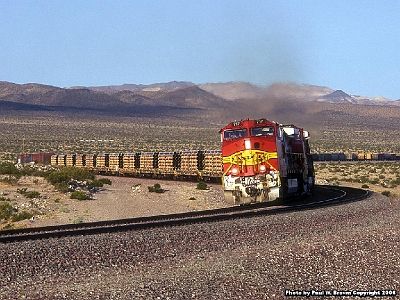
(174, 94)
(289, 103)
(244, 90)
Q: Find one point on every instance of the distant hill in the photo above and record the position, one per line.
(291, 91)
(234, 100)
(146, 101)
(139, 87)
(327, 113)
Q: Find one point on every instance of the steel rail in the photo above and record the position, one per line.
(336, 195)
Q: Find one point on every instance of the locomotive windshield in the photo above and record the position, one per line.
(235, 133)
(262, 131)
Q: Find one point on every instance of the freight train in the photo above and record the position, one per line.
(360, 156)
(259, 161)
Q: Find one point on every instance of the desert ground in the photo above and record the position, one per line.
(129, 197)
(125, 198)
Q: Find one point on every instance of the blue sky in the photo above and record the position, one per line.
(342, 44)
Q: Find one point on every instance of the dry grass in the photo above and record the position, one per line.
(30, 132)
(380, 177)
(79, 134)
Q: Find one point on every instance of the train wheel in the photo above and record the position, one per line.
(229, 197)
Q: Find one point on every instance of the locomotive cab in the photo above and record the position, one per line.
(264, 160)
(251, 171)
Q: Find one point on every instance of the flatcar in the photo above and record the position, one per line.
(359, 156)
(264, 160)
(193, 164)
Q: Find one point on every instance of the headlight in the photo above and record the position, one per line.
(234, 171)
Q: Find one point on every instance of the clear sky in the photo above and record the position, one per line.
(342, 44)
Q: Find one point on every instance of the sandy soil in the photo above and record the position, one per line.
(125, 198)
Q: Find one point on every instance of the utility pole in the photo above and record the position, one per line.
(23, 145)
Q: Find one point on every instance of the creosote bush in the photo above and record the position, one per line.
(6, 210)
(156, 188)
(80, 195)
(65, 174)
(105, 181)
(202, 185)
(23, 215)
(30, 194)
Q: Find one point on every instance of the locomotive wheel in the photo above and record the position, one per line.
(229, 197)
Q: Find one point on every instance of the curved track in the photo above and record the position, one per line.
(322, 195)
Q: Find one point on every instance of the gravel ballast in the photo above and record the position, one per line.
(352, 248)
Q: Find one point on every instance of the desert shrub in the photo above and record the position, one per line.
(11, 179)
(8, 168)
(374, 181)
(94, 184)
(333, 179)
(68, 173)
(156, 188)
(78, 220)
(60, 178)
(365, 186)
(386, 193)
(62, 187)
(105, 181)
(363, 179)
(21, 216)
(6, 210)
(202, 185)
(30, 194)
(80, 195)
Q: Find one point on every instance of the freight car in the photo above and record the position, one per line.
(360, 156)
(264, 160)
(193, 164)
(43, 158)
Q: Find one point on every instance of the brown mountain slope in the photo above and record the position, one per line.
(196, 101)
(46, 95)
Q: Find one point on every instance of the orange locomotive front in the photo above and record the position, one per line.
(264, 160)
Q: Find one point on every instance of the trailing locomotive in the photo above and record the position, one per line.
(264, 160)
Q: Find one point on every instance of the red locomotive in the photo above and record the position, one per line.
(264, 160)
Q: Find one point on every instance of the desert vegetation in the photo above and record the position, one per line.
(338, 141)
(53, 132)
(381, 177)
(31, 134)
(79, 183)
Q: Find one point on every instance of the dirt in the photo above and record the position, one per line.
(124, 198)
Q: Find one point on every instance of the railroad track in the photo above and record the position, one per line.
(323, 195)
